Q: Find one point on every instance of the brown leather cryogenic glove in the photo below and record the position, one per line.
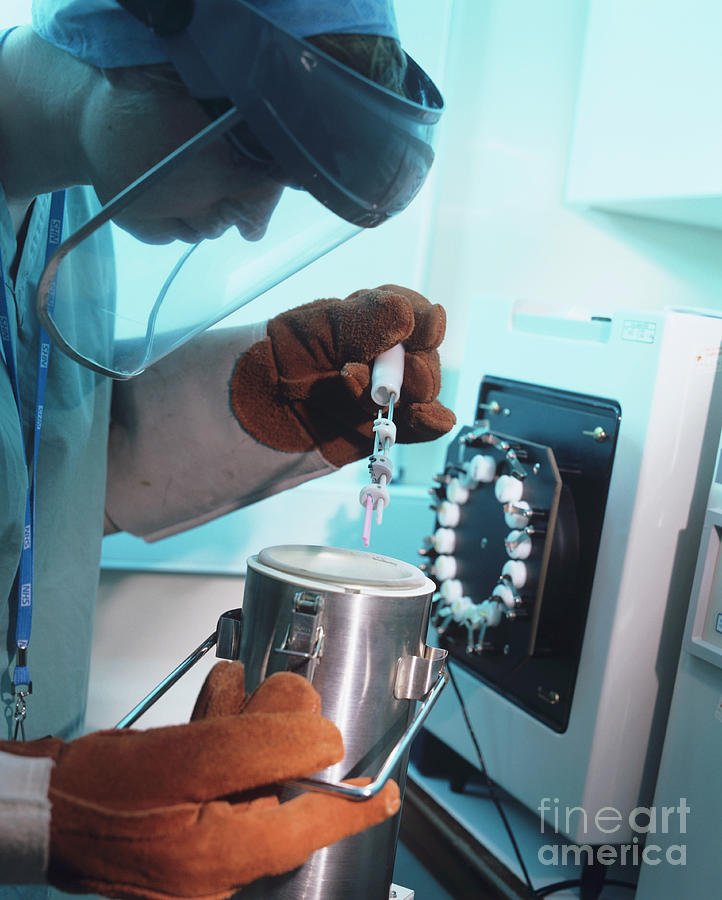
(308, 383)
(191, 811)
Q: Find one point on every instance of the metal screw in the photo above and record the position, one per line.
(551, 697)
(599, 434)
(392, 894)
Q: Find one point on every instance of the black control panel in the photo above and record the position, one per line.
(519, 511)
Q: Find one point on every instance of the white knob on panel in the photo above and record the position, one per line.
(481, 468)
(451, 589)
(518, 545)
(456, 492)
(492, 612)
(516, 570)
(444, 567)
(517, 520)
(508, 489)
(444, 540)
(448, 514)
(505, 594)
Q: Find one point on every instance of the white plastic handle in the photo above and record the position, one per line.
(388, 375)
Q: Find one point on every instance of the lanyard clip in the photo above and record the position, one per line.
(22, 688)
(21, 711)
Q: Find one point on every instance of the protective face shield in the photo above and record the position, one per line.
(308, 151)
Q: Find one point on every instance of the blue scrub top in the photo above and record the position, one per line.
(71, 480)
(70, 490)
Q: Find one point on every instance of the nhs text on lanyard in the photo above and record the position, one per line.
(22, 686)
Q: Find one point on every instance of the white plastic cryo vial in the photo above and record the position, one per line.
(504, 593)
(518, 545)
(444, 540)
(444, 567)
(508, 489)
(475, 617)
(448, 514)
(481, 469)
(460, 607)
(517, 520)
(517, 571)
(492, 611)
(451, 589)
(456, 492)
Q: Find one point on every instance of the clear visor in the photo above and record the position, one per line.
(203, 234)
(229, 196)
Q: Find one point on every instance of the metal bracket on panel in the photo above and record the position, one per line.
(481, 434)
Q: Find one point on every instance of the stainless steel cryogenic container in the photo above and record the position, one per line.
(354, 624)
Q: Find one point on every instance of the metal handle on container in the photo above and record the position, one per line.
(227, 641)
(413, 673)
(417, 678)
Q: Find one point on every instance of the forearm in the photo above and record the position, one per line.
(177, 455)
(24, 819)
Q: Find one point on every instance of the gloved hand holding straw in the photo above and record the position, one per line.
(308, 384)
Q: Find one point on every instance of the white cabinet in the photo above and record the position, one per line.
(647, 139)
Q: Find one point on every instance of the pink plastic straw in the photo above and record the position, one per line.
(366, 535)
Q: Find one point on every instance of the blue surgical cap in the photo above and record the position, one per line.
(102, 33)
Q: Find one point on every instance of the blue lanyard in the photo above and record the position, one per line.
(21, 676)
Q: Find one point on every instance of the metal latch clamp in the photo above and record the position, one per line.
(305, 636)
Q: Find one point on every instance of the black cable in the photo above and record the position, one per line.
(539, 893)
(557, 886)
(490, 783)
(576, 882)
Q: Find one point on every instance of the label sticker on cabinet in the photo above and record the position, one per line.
(639, 331)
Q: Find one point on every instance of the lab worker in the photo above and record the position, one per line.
(181, 124)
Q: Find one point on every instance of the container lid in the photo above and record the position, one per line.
(344, 568)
